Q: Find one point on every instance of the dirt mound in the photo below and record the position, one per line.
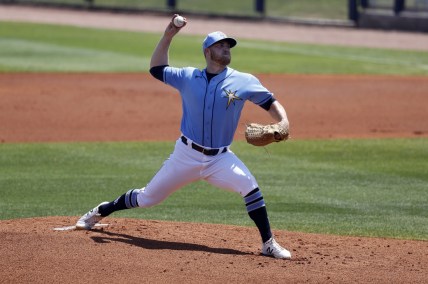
(130, 251)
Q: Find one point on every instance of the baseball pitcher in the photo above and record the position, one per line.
(212, 101)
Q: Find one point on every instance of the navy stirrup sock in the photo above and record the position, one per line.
(125, 201)
(256, 208)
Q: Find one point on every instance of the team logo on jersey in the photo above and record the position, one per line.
(231, 97)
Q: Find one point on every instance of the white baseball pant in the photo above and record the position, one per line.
(186, 165)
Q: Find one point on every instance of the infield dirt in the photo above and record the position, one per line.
(136, 107)
(125, 107)
(131, 251)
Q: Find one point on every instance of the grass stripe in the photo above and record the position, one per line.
(28, 55)
(419, 61)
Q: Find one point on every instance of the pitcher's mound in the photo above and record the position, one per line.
(131, 250)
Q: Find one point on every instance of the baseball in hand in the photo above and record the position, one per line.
(179, 21)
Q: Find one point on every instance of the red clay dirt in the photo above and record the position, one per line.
(132, 251)
(125, 107)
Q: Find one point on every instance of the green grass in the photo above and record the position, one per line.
(347, 187)
(29, 47)
(49, 48)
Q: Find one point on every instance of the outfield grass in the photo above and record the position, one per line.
(347, 187)
(50, 48)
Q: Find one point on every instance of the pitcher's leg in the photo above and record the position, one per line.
(168, 179)
(230, 173)
(177, 171)
(256, 209)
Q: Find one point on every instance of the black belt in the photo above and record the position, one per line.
(208, 152)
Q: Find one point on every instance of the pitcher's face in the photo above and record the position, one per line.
(220, 53)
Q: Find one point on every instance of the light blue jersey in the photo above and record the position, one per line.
(211, 111)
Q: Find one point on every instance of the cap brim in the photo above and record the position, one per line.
(232, 42)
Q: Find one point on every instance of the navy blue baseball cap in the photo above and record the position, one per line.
(216, 37)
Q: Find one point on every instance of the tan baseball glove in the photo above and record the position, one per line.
(262, 135)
